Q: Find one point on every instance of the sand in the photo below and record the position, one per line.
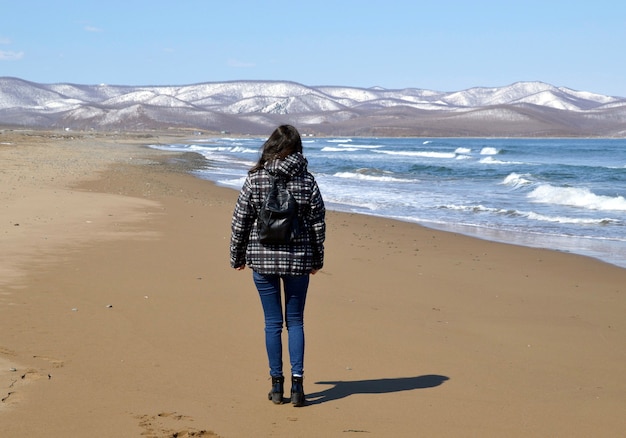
(120, 316)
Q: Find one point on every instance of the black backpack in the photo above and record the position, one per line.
(278, 217)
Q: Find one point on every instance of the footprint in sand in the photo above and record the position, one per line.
(170, 425)
(56, 363)
(13, 394)
(6, 351)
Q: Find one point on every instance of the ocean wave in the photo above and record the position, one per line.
(370, 175)
(350, 148)
(532, 215)
(474, 208)
(341, 149)
(236, 148)
(346, 203)
(233, 139)
(367, 146)
(463, 150)
(572, 220)
(489, 151)
(243, 150)
(576, 197)
(339, 140)
(491, 160)
(235, 183)
(517, 180)
(424, 154)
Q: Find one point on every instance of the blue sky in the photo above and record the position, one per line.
(438, 45)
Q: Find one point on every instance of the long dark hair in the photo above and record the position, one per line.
(284, 141)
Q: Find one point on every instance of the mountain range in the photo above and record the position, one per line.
(530, 109)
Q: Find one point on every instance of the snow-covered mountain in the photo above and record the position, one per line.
(255, 107)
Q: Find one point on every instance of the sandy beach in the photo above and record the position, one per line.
(120, 315)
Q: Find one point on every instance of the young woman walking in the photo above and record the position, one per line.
(281, 266)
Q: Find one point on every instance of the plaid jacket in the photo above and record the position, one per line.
(306, 251)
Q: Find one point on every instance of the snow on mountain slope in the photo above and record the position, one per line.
(262, 103)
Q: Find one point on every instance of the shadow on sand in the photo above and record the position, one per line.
(377, 386)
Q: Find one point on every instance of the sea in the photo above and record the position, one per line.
(562, 194)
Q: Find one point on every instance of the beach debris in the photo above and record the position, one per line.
(74, 309)
(108, 306)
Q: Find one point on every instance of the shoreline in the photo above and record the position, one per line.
(408, 328)
(561, 243)
(606, 248)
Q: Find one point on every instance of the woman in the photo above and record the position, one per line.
(287, 265)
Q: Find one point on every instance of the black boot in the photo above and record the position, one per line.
(276, 393)
(297, 391)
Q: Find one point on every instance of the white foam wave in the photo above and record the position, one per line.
(463, 151)
(532, 215)
(368, 177)
(348, 203)
(424, 154)
(242, 150)
(169, 147)
(491, 160)
(473, 208)
(576, 197)
(349, 147)
(236, 183)
(342, 149)
(339, 140)
(489, 151)
(571, 220)
(516, 180)
(236, 139)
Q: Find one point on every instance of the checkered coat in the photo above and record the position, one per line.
(306, 251)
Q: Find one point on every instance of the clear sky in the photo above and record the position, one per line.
(441, 45)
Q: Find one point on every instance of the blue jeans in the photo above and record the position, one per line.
(269, 287)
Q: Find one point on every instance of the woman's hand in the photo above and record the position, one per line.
(240, 268)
